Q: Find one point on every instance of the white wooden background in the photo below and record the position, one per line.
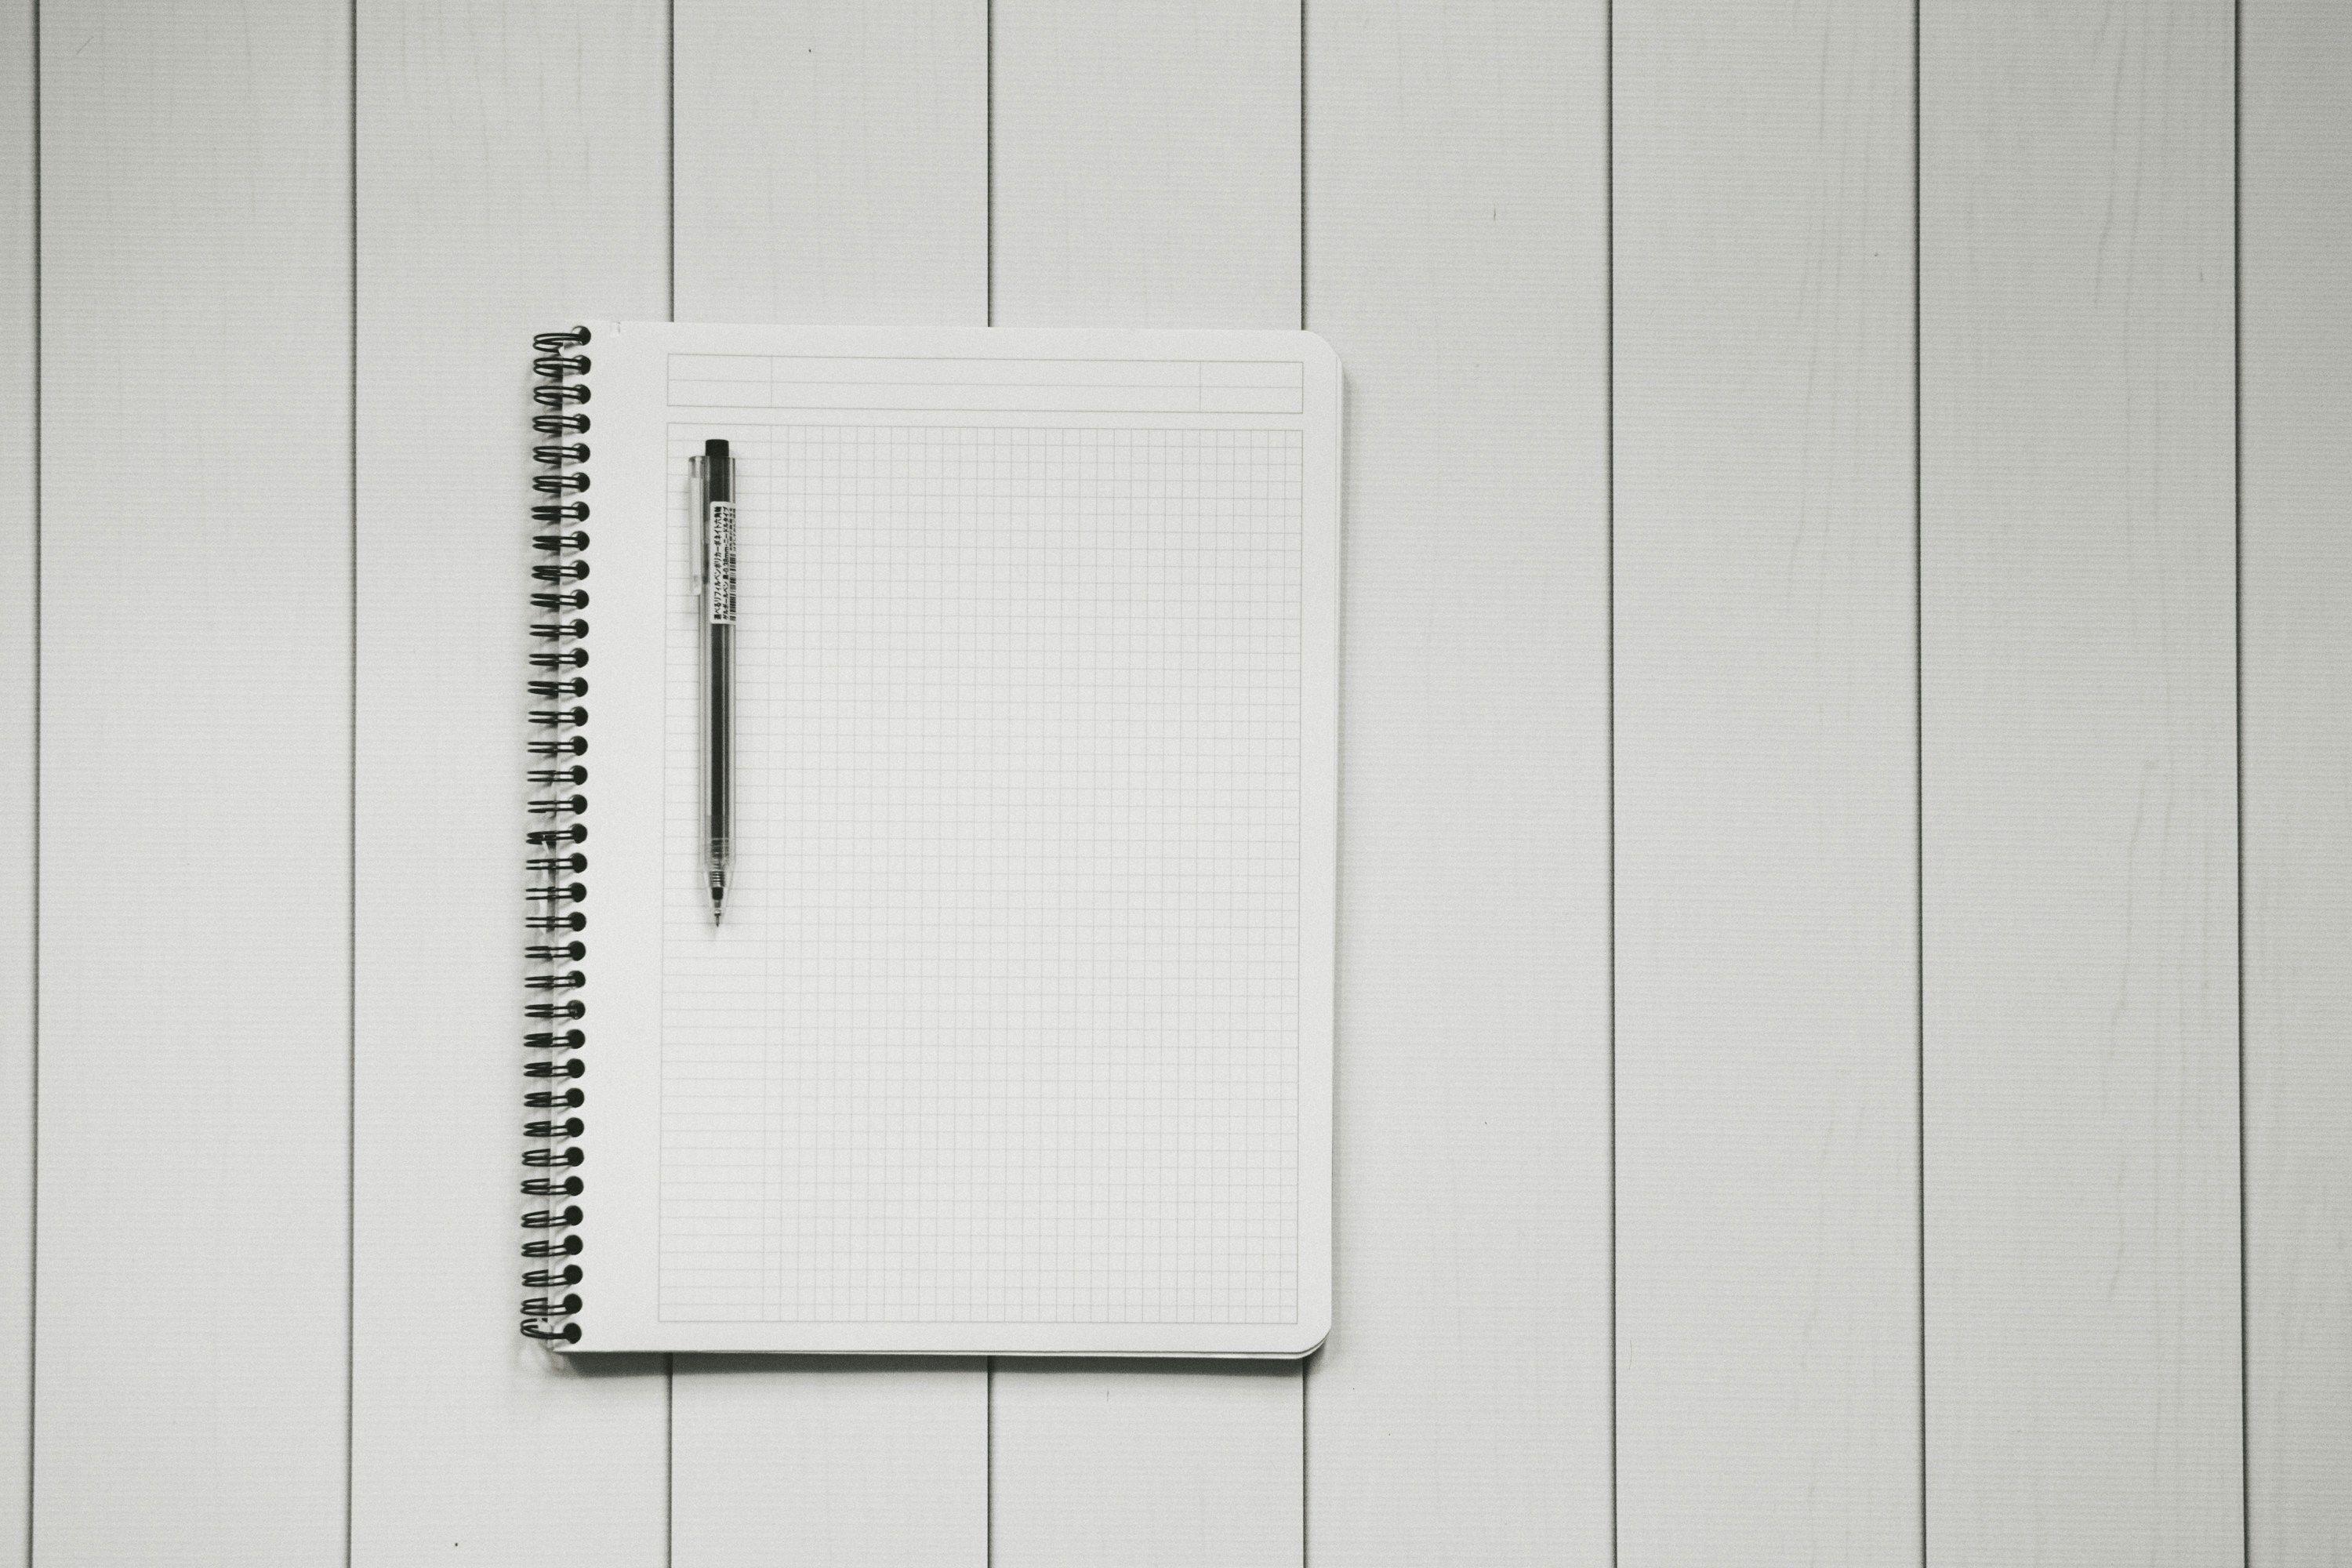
(1849, 665)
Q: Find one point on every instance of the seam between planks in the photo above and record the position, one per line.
(352, 825)
(1919, 772)
(669, 258)
(988, 319)
(33, 1192)
(2238, 720)
(1608, 571)
(1307, 1364)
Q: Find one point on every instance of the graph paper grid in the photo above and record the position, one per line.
(1003, 1023)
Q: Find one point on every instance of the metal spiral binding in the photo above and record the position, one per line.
(554, 918)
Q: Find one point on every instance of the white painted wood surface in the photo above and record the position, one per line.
(831, 161)
(19, 767)
(2080, 884)
(1154, 1467)
(1145, 163)
(512, 177)
(1768, 1306)
(785, 1460)
(196, 804)
(2296, 239)
(214, 770)
(1145, 171)
(831, 166)
(1456, 214)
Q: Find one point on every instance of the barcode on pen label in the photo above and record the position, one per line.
(719, 595)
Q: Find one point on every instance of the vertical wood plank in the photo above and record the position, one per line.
(1145, 172)
(832, 165)
(19, 766)
(512, 178)
(1145, 163)
(2296, 247)
(1097, 1463)
(1456, 215)
(850, 1461)
(194, 774)
(1767, 939)
(832, 161)
(2081, 984)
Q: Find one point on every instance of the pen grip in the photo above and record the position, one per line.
(718, 768)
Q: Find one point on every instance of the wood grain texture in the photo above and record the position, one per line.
(194, 774)
(1153, 1467)
(1457, 220)
(2080, 1134)
(512, 178)
(2295, 87)
(847, 1462)
(1145, 172)
(832, 168)
(1767, 1307)
(19, 766)
(831, 161)
(2080, 1151)
(1145, 163)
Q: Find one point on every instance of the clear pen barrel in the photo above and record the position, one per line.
(718, 753)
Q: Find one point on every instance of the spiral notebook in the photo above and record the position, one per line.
(1017, 1035)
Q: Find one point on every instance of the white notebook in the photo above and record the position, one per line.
(1017, 1035)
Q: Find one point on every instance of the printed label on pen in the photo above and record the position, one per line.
(719, 593)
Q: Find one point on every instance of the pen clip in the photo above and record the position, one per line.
(697, 502)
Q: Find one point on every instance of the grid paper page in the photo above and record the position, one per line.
(1003, 1025)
